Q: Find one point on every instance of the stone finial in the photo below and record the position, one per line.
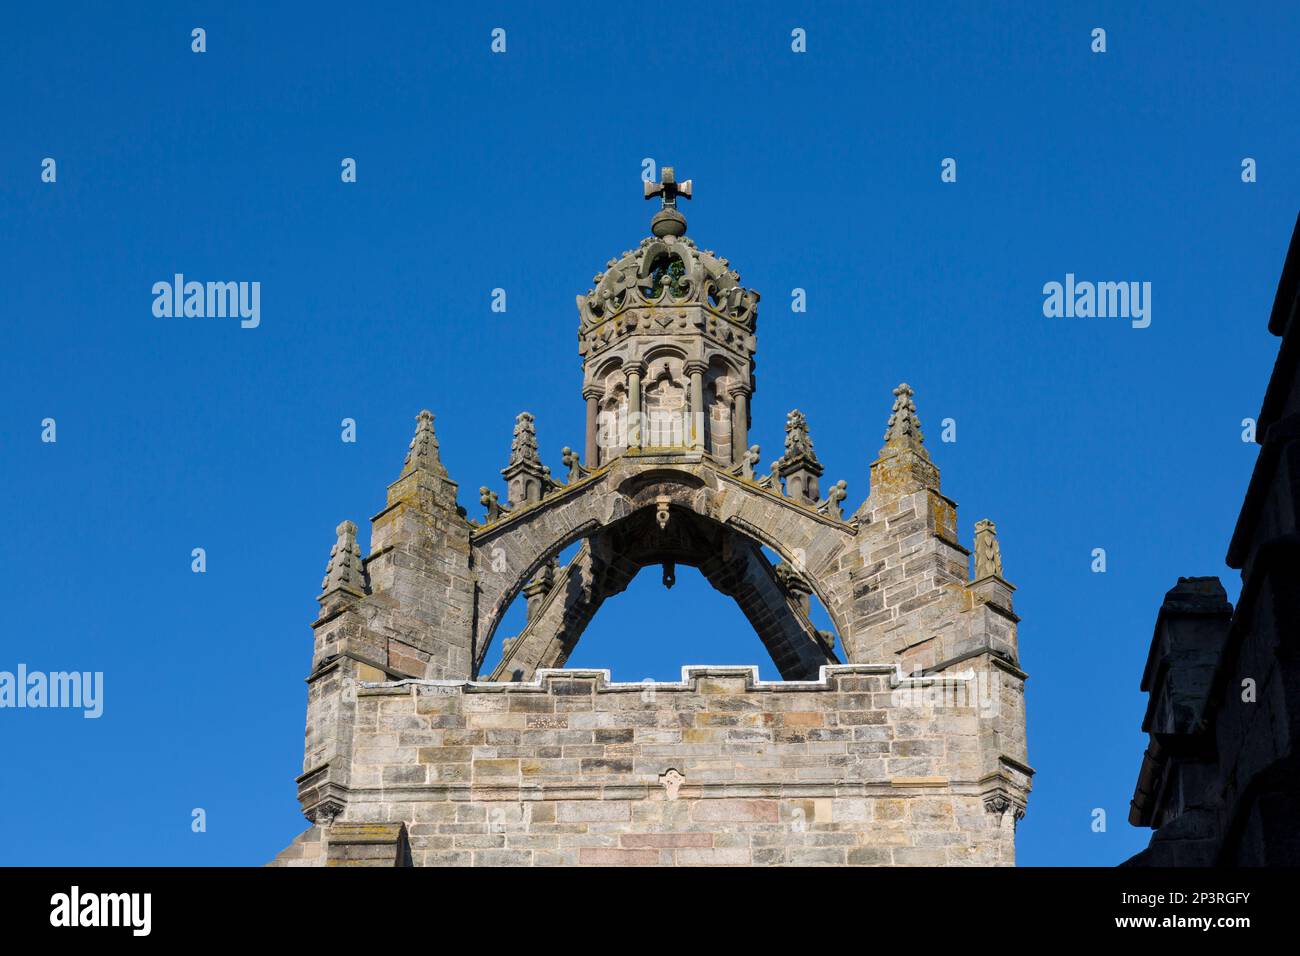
(488, 499)
(346, 570)
(571, 461)
(748, 461)
(774, 477)
(904, 427)
(523, 445)
(798, 443)
(527, 479)
(423, 453)
(837, 493)
(988, 556)
(903, 465)
(799, 465)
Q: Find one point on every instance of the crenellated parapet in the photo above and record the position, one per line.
(857, 766)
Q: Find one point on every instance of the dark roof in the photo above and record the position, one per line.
(1287, 285)
(1280, 385)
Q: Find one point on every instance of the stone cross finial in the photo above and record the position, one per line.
(345, 571)
(423, 453)
(904, 426)
(668, 188)
(988, 555)
(668, 221)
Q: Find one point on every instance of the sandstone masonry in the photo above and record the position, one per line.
(909, 752)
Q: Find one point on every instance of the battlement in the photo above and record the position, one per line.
(692, 674)
(719, 767)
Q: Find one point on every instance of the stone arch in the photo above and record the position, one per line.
(665, 350)
(816, 549)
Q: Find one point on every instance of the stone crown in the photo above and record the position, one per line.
(668, 271)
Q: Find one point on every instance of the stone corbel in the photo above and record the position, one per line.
(1002, 800)
(1000, 804)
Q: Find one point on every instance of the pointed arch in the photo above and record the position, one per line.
(720, 522)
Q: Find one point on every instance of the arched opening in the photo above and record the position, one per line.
(815, 609)
(515, 620)
(552, 610)
(650, 631)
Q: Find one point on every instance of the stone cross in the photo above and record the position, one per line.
(669, 188)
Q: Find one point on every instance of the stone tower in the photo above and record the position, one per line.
(909, 751)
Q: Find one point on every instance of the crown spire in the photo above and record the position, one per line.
(423, 453)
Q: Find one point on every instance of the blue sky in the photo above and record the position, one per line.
(521, 171)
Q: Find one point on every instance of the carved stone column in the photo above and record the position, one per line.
(592, 394)
(696, 371)
(739, 422)
(634, 406)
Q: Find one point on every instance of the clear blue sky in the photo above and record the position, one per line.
(521, 171)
